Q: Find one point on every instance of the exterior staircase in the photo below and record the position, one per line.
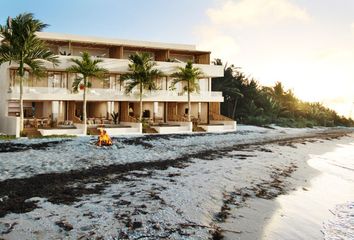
(149, 130)
(93, 131)
(198, 129)
(31, 132)
(218, 117)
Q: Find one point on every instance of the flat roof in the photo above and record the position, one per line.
(116, 42)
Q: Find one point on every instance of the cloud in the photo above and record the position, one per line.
(221, 45)
(256, 12)
(262, 38)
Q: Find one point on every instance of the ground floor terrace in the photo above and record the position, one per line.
(120, 117)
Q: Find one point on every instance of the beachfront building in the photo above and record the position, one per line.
(51, 107)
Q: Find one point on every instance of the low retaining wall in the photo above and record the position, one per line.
(220, 126)
(10, 125)
(184, 127)
(49, 132)
(132, 128)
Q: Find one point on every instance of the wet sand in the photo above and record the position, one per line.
(309, 213)
(324, 180)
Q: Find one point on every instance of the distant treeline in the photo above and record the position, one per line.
(250, 103)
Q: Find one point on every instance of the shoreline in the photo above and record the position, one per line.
(315, 208)
(197, 187)
(261, 212)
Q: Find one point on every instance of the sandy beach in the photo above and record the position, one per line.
(243, 185)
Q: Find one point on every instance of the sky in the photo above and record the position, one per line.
(307, 45)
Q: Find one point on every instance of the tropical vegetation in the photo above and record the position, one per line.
(85, 67)
(142, 75)
(20, 45)
(190, 76)
(249, 102)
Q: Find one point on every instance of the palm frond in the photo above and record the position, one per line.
(36, 67)
(141, 71)
(130, 86)
(76, 84)
(87, 67)
(189, 75)
(20, 43)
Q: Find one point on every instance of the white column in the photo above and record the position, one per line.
(199, 109)
(156, 107)
(111, 82)
(109, 107)
(61, 112)
(55, 109)
(156, 110)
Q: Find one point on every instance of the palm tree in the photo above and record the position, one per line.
(141, 74)
(189, 75)
(86, 68)
(20, 45)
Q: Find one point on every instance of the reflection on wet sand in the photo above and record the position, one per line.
(315, 212)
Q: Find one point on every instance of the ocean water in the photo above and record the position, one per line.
(324, 210)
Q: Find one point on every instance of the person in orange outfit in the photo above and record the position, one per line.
(104, 139)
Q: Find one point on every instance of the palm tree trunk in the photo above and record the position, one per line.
(234, 111)
(229, 106)
(189, 103)
(141, 103)
(21, 73)
(21, 104)
(84, 117)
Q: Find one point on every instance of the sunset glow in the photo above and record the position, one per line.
(308, 47)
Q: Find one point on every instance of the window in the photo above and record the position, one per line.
(57, 79)
(15, 79)
(100, 82)
(117, 83)
(106, 82)
(161, 83)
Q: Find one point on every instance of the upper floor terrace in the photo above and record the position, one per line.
(73, 45)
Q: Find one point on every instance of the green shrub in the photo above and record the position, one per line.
(7, 137)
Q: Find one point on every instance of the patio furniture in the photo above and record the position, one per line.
(45, 122)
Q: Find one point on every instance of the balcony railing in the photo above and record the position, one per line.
(121, 65)
(40, 90)
(168, 93)
(107, 93)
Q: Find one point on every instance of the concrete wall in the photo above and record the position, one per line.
(97, 109)
(221, 126)
(10, 125)
(203, 84)
(184, 127)
(49, 132)
(131, 129)
(4, 86)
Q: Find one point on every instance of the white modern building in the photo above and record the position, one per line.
(51, 107)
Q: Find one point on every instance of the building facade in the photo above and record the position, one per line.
(51, 106)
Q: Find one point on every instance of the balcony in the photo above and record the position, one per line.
(121, 66)
(100, 94)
